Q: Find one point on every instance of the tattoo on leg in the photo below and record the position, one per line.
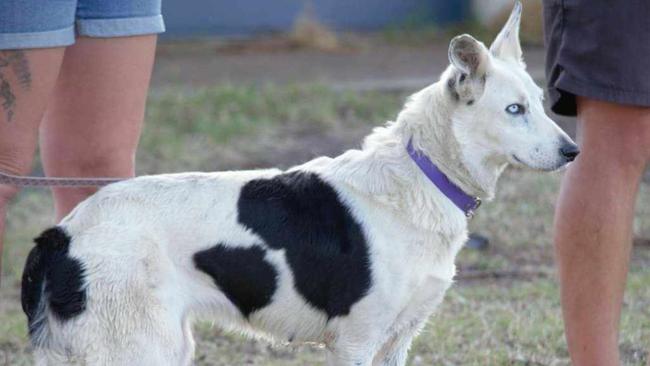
(17, 62)
(7, 96)
(20, 67)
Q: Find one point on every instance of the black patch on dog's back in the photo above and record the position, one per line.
(51, 275)
(324, 245)
(244, 276)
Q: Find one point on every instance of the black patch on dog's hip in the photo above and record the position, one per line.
(325, 246)
(51, 275)
(244, 276)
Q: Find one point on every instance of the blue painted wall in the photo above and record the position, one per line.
(246, 17)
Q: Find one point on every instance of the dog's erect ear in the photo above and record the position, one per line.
(506, 45)
(471, 59)
(468, 55)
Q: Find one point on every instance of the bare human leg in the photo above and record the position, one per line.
(593, 225)
(93, 124)
(27, 78)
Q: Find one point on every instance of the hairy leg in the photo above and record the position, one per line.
(27, 78)
(395, 351)
(593, 225)
(93, 124)
(355, 343)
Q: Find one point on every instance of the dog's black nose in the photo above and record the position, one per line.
(569, 151)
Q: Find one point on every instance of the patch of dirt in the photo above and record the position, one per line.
(281, 59)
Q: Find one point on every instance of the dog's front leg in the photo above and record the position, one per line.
(347, 357)
(395, 351)
(352, 350)
(396, 356)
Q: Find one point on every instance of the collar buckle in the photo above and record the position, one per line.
(472, 210)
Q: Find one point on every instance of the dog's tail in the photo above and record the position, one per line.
(52, 282)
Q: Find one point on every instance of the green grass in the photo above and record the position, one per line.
(481, 322)
(518, 323)
(215, 117)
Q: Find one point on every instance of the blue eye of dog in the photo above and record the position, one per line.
(516, 109)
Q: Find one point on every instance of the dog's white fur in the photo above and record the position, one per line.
(136, 238)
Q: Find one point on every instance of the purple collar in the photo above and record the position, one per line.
(468, 204)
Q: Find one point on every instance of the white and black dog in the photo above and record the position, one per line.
(354, 252)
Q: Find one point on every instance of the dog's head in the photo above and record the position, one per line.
(498, 109)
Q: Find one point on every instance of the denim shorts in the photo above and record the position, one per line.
(55, 23)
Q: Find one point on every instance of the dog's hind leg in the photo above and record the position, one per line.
(136, 302)
(110, 334)
(132, 310)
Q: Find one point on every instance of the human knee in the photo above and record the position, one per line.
(15, 163)
(7, 193)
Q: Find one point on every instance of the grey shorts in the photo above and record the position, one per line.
(599, 50)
